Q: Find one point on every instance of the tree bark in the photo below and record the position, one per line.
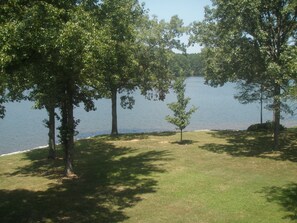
(261, 104)
(67, 131)
(181, 136)
(276, 114)
(70, 140)
(114, 127)
(51, 132)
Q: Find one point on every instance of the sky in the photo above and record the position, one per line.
(187, 10)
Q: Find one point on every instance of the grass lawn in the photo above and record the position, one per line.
(217, 176)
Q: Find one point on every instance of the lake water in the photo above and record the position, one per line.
(22, 127)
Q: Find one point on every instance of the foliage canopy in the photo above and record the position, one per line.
(253, 41)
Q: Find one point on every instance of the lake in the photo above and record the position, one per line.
(22, 127)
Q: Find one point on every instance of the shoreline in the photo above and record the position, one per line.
(93, 136)
(41, 147)
(24, 151)
(90, 137)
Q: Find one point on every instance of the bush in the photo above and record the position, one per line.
(267, 126)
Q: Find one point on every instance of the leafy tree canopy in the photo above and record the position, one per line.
(252, 41)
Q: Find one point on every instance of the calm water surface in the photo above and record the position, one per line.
(22, 127)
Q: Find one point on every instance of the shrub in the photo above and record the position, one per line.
(267, 126)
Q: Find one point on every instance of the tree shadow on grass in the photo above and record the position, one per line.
(185, 142)
(40, 165)
(110, 179)
(137, 136)
(285, 196)
(254, 144)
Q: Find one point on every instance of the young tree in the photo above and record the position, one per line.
(181, 117)
(250, 41)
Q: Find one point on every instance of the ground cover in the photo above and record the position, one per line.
(214, 176)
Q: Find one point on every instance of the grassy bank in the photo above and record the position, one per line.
(224, 176)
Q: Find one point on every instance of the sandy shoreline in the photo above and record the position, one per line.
(38, 147)
(24, 151)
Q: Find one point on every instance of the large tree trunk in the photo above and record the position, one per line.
(51, 132)
(276, 115)
(70, 141)
(67, 131)
(114, 127)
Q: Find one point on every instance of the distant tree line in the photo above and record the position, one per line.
(191, 65)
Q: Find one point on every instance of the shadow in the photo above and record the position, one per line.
(134, 136)
(285, 196)
(110, 179)
(161, 134)
(123, 137)
(254, 144)
(185, 142)
(40, 165)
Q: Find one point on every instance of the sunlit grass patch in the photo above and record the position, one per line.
(216, 176)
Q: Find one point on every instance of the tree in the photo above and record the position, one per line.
(119, 20)
(12, 85)
(48, 46)
(42, 26)
(155, 45)
(75, 44)
(292, 66)
(2, 98)
(34, 65)
(250, 93)
(30, 29)
(250, 41)
(136, 55)
(4, 58)
(181, 117)
(3, 88)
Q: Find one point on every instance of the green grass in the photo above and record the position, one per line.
(219, 176)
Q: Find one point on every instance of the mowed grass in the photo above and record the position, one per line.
(217, 176)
